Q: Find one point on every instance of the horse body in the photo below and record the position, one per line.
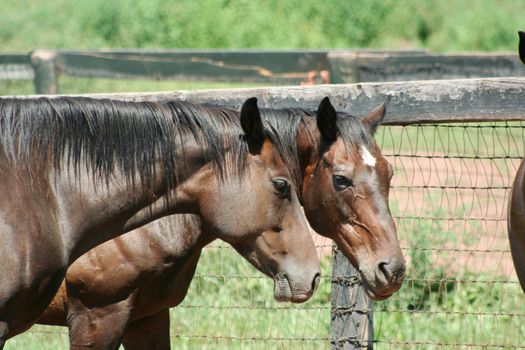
(77, 172)
(107, 288)
(26, 216)
(516, 223)
(127, 281)
(516, 209)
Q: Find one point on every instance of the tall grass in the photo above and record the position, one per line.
(441, 25)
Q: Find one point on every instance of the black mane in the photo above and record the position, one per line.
(353, 131)
(103, 135)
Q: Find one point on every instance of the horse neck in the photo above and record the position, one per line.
(93, 213)
(178, 235)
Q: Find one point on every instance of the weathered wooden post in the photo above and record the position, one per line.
(352, 323)
(45, 80)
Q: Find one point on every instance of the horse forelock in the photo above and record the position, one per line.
(285, 125)
(282, 128)
(354, 133)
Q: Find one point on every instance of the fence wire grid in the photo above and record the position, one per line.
(449, 199)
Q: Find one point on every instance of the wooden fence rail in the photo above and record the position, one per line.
(411, 102)
(261, 66)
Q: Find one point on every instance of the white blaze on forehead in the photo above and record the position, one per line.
(368, 158)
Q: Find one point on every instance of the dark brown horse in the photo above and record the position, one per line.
(76, 172)
(127, 300)
(516, 211)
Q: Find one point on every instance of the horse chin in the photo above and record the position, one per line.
(284, 293)
(373, 294)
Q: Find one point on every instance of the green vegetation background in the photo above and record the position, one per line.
(446, 25)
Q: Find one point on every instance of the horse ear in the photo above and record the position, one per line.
(252, 125)
(327, 120)
(521, 46)
(375, 116)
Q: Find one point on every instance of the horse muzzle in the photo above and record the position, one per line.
(384, 280)
(287, 289)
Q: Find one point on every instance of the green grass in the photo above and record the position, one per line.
(441, 25)
(437, 307)
(70, 85)
(454, 313)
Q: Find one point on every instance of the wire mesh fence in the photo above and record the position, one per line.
(449, 199)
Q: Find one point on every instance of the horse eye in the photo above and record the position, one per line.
(341, 182)
(281, 186)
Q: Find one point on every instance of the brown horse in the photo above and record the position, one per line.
(345, 196)
(127, 300)
(121, 291)
(516, 211)
(77, 171)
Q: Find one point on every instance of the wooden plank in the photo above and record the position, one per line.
(344, 65)
(372, 67)
(290, 66)
(351, 316)
(16, 66)
(15, 58)
(411, 102)
(252, 65)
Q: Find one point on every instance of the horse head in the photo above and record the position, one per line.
(264, 198)
(345, 196)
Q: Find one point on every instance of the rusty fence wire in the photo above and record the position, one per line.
(449, 199)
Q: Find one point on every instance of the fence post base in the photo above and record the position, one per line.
(352, 322)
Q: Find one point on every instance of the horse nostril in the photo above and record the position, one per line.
(383, 268)
(277, 229)
(315, 282)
